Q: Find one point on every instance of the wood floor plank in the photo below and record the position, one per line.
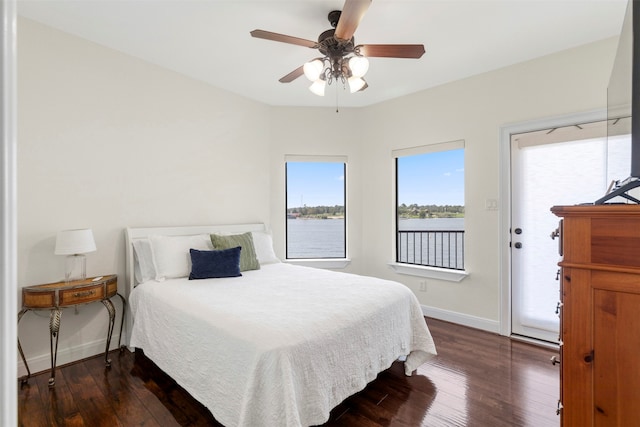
(477, 379)
(95, 408)
(114, 384)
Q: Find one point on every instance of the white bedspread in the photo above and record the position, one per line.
(280, 346)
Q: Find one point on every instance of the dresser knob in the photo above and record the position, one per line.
(555, 361)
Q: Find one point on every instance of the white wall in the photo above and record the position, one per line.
(107, 141)
(473, 110)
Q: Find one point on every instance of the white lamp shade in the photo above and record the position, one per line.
(70, 242)
(359, 65)
(313, 69)
(318, 87)
(355, 84)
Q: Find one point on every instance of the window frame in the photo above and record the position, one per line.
(322, 262)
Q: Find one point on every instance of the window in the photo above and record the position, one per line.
(315, 197)
(430, 205)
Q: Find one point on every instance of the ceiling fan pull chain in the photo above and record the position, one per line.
(337, 110)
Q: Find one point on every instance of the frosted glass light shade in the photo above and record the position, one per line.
(355, 84)
(359, 66)
(71, 242)
(313, 69)
(318, 87)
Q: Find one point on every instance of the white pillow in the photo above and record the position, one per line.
(171, 253)
(144, 268)
(263, 244)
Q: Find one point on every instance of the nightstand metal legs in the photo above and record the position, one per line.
(112, 316)
(24, 379)
(124, 310)
(54, 332)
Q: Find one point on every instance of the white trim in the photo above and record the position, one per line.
(431, 272)
(428, 148)
(505, 195)
(315, 158)
(332, 263)
(462, 319)
(42, 363)
(8, 220)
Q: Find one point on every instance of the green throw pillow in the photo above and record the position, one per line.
(248, 258)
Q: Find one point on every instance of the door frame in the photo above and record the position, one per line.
(8, 216)
(505, 195)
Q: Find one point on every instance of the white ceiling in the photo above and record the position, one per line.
(209, 39)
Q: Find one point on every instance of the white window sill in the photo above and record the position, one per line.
(431, 272)
(333, 263)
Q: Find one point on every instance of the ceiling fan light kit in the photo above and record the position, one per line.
(342, 61)
(318, 86)
(323, 71)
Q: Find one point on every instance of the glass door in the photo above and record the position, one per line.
(561, 166)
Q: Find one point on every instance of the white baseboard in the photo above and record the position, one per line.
(462, 319)
(42, 362)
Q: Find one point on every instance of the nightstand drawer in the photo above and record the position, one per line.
(81, 295)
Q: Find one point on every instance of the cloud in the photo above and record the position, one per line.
(340, 178)
(447, 174)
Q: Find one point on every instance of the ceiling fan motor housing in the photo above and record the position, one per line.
(332, 47)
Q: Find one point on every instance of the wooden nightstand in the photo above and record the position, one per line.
(56, 296)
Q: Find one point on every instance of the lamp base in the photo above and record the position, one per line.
(75, 268)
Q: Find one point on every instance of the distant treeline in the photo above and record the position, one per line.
(404, 211)
(430, 211)
(316, 211)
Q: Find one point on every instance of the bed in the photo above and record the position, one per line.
(280, 345)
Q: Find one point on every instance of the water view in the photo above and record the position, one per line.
(315, 238)
(324, 238)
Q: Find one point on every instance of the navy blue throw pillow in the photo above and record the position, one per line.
(215, 264)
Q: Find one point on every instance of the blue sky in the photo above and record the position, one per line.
(434, 178)
(315, 184)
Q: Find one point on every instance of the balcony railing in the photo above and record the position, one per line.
(441, 248)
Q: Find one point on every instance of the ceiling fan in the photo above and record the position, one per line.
(343, 60)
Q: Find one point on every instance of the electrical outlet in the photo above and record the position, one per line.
(423, 286)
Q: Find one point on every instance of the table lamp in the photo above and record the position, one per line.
(74, 244)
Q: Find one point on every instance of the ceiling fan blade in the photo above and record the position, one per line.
(391, 50)
(352, 13)
(292, 75)
(268, 35)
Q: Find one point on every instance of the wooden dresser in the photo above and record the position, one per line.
(600, 315)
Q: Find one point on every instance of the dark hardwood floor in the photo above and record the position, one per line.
(477, 379)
